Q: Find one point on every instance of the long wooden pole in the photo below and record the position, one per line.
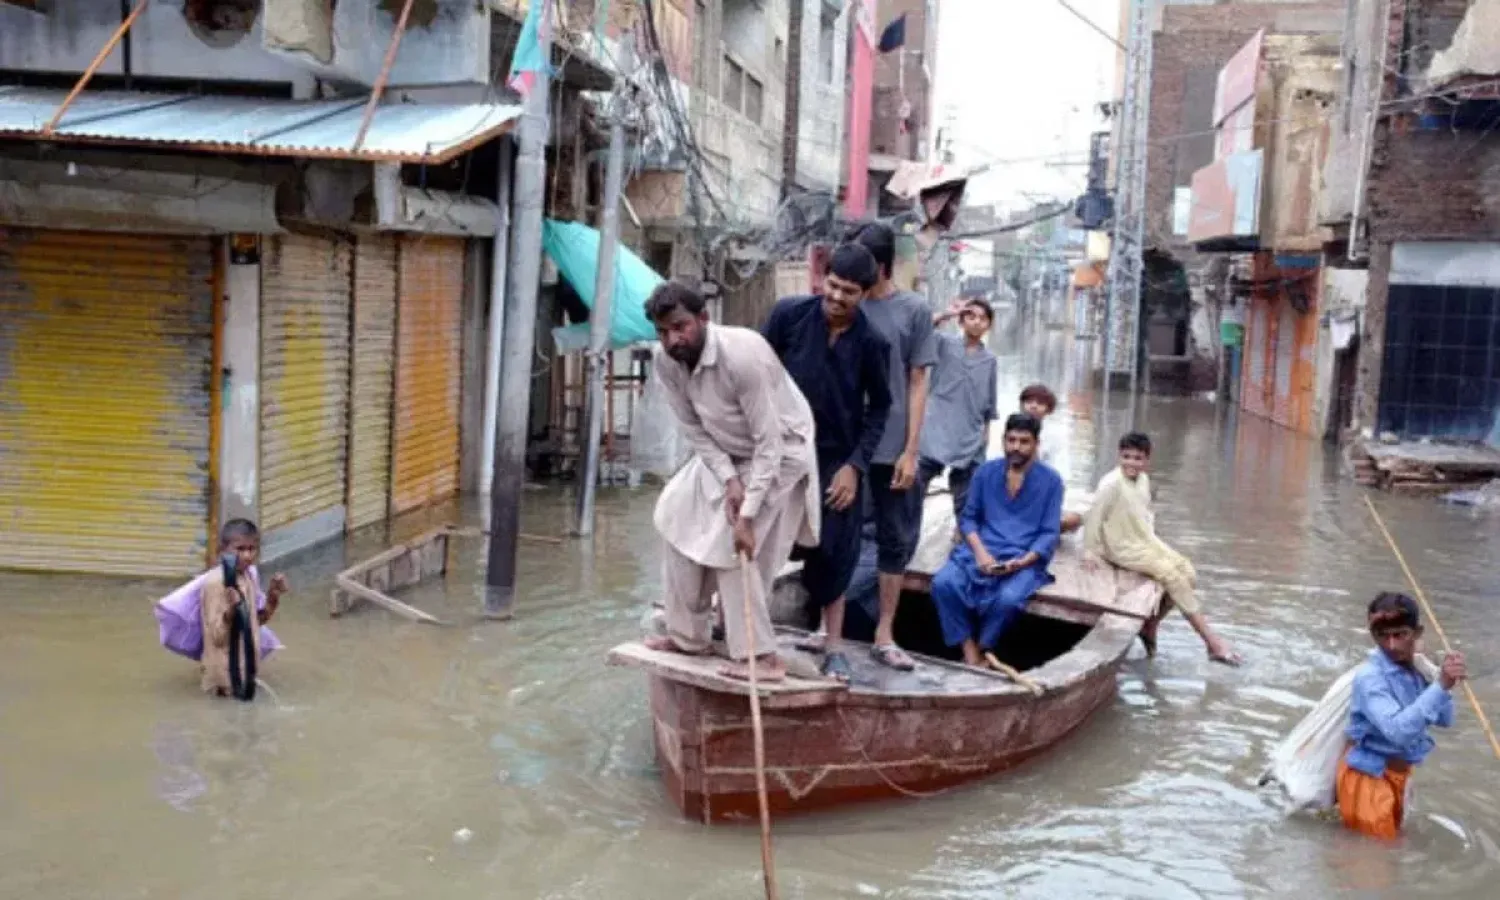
(385, 73)
(1484, 721)
(103, 54)
(767, 861)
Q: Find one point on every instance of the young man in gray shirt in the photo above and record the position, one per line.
(905, 321)
(956, 433)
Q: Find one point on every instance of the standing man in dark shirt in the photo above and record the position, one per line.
(905, 321)
(840, 364)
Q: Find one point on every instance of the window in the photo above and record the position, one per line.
(734, 77)
(754, 97)
(743, 92)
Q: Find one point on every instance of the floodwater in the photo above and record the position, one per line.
(504, 760)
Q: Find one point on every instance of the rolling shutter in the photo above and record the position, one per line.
(373, 374)
(106, 348)
(427, 371)
(304, 371)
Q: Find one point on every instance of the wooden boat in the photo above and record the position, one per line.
(893, 734)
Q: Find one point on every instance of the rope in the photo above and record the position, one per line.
(1484, 721)
(767, 860)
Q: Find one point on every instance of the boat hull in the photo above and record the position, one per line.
(834, 749)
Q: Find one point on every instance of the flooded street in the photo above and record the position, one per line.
(504, 760)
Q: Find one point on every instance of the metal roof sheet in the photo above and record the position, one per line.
(399, 132)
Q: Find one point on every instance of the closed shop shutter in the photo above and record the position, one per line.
(373, 380)
(1252, 397)
(1286, 356)
(427, 371)
(304, 371)
(106, 352)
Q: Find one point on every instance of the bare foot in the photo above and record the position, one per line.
(767, 668)
(1224, 654)
(663, 644)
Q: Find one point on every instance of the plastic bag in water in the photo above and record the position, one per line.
(1306, 762)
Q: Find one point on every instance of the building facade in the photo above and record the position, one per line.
(236, 295)
(1183, 289)
(1411, 195)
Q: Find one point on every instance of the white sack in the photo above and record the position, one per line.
(1306, 762)
(656, 444)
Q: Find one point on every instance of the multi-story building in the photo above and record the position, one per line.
(230, 285)
(1182, 289)
(902, 126)
(1256, 205)
(712, 166)
(1409, 348)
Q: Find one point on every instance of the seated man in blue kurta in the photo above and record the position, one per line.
(1010, 526)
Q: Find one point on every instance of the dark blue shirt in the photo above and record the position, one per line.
(845, 382)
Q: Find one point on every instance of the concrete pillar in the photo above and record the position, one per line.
(239, 445)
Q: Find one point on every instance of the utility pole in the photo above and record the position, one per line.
(792, 125)
(1123, 307)
(529, 194)
(601, 316)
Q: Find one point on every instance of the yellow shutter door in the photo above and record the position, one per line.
(373, 380)
(106, 347)
(304, 374)
(427, 371)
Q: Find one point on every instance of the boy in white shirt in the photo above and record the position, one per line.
(1038, 400)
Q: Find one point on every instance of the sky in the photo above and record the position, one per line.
(1021, 80)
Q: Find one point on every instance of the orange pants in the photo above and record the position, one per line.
(1373, 805)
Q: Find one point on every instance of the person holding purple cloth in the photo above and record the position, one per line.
(193, 620)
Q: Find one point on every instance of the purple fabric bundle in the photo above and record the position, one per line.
(179, 616)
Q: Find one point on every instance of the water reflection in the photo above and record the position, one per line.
(118, 779)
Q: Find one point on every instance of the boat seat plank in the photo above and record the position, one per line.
(703, 671)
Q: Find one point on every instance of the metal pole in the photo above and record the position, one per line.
(499, 267)
(604, 289)
(530, 192)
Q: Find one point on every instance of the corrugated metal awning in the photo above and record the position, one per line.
(325, 129)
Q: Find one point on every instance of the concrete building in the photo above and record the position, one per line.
(1183, 288)
(230, 296)
(1255, 206)
(902, 126)
(1412, 193)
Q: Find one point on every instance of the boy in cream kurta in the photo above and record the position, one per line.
(1121, 529)
(750, 488)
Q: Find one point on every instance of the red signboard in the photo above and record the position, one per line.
(1226, 199)
(1236, 85)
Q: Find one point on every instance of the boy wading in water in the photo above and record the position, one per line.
(1120, 529)
(1390, 712)
(241, 538)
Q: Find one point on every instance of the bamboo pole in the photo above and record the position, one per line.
(104, 52)
(1484, 721)
(385, 73)
(767, 860)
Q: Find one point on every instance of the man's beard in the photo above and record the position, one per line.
(1017, 460)
(687, 355)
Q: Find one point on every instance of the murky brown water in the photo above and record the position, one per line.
(118, 780)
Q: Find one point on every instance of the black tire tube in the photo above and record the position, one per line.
(241, 645)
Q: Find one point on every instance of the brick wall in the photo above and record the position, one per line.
(1191, 45)
(1424, 184)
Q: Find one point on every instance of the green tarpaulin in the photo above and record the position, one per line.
(574, 248)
